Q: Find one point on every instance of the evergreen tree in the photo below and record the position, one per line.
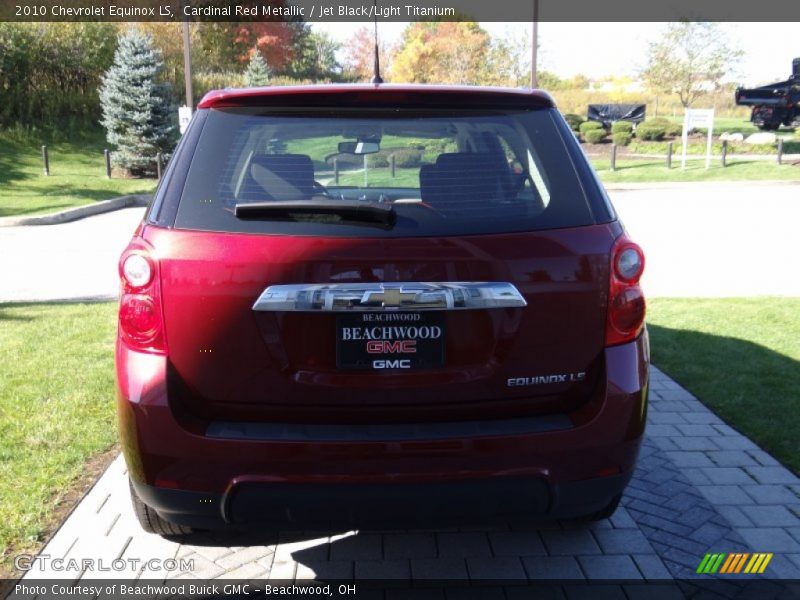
(137, 107)
(257, 73)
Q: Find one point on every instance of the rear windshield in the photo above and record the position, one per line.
(442, 172)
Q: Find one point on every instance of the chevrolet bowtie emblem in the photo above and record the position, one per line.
(388, 297)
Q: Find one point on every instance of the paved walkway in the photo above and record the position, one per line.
(701, 239)
(699, 487)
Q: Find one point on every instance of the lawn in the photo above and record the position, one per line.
(380, 177)
(627, 171)
(741, 358)
(77, 175)
(56, 411)
(646, 170)
(732, 125)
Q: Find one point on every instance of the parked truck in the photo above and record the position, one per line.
(775, 104)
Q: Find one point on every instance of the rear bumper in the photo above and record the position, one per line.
(382, 504)
(194, 478)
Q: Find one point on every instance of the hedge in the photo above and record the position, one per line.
(574, 121)
(621, 138)
(595, 136)
(621, 127)
(650, 131)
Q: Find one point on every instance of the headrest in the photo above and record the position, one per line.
(284, 176)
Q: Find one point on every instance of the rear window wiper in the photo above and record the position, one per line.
(380, 214)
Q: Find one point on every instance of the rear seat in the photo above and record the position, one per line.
(465, 183)
(278, 177)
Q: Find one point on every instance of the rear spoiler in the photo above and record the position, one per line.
(379, 96)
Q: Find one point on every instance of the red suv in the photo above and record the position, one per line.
(349, 303)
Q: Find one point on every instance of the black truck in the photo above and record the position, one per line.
(775, 104)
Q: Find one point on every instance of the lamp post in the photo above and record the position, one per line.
(187, 65)
(534, 44)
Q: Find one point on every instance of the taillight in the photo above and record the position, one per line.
(141, 320)
(626, 305)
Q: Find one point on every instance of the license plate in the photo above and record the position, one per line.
(390, 340)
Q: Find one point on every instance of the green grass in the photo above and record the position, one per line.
(381, 177)
(77, 175)
(732, 125)
(740, 357)
(790, 146)
(647, 170)
(627, 171)
(56, 409)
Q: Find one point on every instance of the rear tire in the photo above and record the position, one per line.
(150, 520)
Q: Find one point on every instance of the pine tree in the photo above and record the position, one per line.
(257, 73)
(137, 108)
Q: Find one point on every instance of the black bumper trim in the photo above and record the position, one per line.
(389, 432)
(384, 504)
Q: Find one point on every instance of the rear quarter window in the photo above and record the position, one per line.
(444, 172)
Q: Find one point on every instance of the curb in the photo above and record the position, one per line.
(666, 185)
(80, 212)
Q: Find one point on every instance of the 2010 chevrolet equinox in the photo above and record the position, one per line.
(376, 301)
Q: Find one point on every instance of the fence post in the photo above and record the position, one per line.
(669, 155)
(336, 171)
(724, 153)
(107, 156)
(392, 164)
(613, 157)
(780, 151)
(46, 161)
(158, 166)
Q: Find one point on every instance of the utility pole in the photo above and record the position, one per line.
(534, 44)
(187, 65)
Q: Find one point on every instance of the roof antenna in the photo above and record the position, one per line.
(376, 78)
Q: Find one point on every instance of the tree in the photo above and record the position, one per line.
(510, 60)
(690, 59)
(314, 57)
(278, 43)
(442, 52)
(257, 73)
(359, 55)
(35, 86)
(137, 108)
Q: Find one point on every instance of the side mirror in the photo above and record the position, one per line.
(359, 147)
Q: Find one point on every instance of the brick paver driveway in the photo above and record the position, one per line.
(699, 487)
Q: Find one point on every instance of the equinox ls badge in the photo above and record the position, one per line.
(546, 379)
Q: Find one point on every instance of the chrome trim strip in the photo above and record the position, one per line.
(407, 295)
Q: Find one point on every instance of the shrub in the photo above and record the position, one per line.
(595, 136)
(574, 121)
(621, 127)
(203, 82)
(621, 138)
(651, 131)
(407, 158)
(589, 126)
(378, 160)
(671, 128)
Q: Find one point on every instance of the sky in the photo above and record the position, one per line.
(619, 49)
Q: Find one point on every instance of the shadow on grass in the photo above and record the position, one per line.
(10, 167)
(753, 388)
